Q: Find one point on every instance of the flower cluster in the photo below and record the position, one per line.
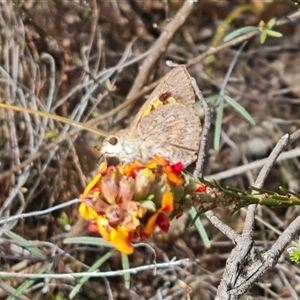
(125, 203)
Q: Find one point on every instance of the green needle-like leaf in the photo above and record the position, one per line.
(218, 125)
(200, 228)
(271, 23)
(96, 241)
(273, 33)
(240, 109)
(263, 37)
(93, 268)
(238, 32)
(26, 284)
(25, 244)
(126, 266)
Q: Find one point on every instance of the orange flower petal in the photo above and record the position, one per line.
(152, 164)
(167, 202)
(102, 168)
(92, 184)
(121, 239)
(104, 228)
(172, 176)
(161, 161)
(87, 212)
(166, 206)
(150, 226)
(130, 169)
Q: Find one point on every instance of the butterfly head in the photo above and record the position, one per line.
(119, 149)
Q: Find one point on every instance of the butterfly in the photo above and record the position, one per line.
(166, 125)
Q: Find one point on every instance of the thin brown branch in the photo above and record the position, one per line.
(157, 50)
(239, 275)
(250, 217)
(225, 229)
(205, 131)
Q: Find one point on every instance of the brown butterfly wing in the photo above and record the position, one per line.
(177, 83)
(173, 128)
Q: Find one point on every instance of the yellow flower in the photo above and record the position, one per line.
(127, 202)
(87, 212)
(92, 185)
(120, 237)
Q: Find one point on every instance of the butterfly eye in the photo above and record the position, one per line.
(113, 141)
